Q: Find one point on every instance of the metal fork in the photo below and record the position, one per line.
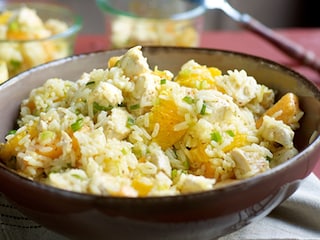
(289, 47)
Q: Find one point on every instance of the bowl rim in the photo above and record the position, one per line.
(242, 184)
(73, 28)
(193, 13)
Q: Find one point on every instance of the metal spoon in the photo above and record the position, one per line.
(286, 45)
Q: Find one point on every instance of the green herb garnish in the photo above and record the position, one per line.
(12, 132)
(163, 81)
(77, 176)
(15, 64)
(216, 136)
(47, 135)
(174, 173)
(188, 99)
(90, 83)
(14, 26)
(230, 133)
(186, 164)
(203, 109)
(97, 107)
(130, 122)
(77, 125)
(134, 107)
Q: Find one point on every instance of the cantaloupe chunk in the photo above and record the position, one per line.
(286, 109)
(163, 118)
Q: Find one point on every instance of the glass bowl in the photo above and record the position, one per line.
(33, 34)
(145, 22)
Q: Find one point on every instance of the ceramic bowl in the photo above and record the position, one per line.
(205, 215)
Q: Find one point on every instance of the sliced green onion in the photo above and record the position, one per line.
(97, 107)
(203, 109)
(186, 164)
(188, 99)
(12, 132)
(163, 81)
(130, 122)
(90, 83)
(124, 151)
(77, 111)
(174, 173)
(117, 64)
(184, 171)
(15, 64)
(230, 133)
(134, 107)
(14, 26)
(216, 136)
(203, 84)
(77, 176)
(77, 125)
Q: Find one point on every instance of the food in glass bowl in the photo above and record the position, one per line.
(129, 130)
(126, 31)
(144, 22)
(32, 34)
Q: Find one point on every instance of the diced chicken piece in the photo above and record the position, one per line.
(163, 181)
(250, 160)
(264, 100)
(160, 159)
(106, 94)
(191, 183)
(116, 125)
(133, 62)
(265, 96)
(145, 91)
(283, 155)
(239, 85)
(276, 131)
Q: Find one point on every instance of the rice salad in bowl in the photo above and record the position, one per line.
(129, 130)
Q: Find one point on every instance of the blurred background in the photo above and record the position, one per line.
(273, 13)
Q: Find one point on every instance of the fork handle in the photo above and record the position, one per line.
(286, 45)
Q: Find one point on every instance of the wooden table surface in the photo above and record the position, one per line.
(240, 41)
